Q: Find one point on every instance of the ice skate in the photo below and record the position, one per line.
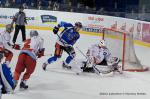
(23, 85)
(66, 66)
(44, 66)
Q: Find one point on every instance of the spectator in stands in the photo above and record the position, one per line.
(50, 5)
(56, 6)
(18, 2)
(25, 6)
(7, 4)
(100, 11)
(39, 5)
(20, 21)
(0, 3)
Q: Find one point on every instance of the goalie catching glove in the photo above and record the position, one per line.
(41, 53)
(55, 30)
(114, 61)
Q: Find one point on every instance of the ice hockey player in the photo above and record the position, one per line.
(32, 49)
(6, 80)
(100, 60)
(66, 40)
(5, 45)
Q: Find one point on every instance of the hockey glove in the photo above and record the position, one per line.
(55, 30)
(16, 46)
(41, 53)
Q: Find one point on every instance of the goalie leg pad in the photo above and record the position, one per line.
(102, 69)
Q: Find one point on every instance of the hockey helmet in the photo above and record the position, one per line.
(78, 24)
(102, 43)
(33, 33)
(9, 28)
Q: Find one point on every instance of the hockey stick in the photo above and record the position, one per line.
(82, 53)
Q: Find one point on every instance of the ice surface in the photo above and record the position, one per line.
(57, 83)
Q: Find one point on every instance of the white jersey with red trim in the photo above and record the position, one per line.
(5, 38)
(98, 53)
(32, 46)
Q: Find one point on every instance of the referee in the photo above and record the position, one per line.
(20, 21)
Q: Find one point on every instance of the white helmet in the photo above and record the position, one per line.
(102, 43)
(33, 33)
(9, 28)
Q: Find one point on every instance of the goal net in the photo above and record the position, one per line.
(121, 45)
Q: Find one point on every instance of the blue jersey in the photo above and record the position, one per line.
(6, 78)
(68, 36)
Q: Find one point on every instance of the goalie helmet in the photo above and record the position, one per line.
(9, 28)
(102, 43)
(33, 33)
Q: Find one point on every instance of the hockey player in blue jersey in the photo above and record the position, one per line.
(66, 40)
(7, 83)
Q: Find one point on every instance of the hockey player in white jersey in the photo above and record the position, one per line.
(32, 49)
(100, 60)
(5, 45)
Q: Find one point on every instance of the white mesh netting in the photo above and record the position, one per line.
(121, 45)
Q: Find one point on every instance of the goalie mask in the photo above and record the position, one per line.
(102, 43)
(33, 33)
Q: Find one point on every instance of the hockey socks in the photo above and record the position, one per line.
(69, 59)
(52, 59)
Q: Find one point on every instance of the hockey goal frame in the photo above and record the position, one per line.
(124, 37)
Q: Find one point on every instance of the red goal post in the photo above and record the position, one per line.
(121, 44)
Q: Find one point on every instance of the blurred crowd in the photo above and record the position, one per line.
(56, 5)
(118, 8)
(30, 4)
